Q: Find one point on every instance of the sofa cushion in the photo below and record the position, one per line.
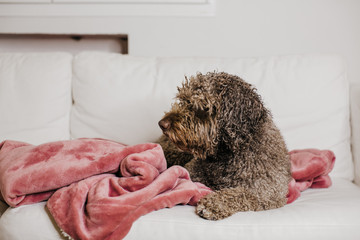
(330, 214)
(35, 96)
(29, 222)
(123, 97)
(113, 98)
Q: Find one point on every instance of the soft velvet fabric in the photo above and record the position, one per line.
(98, 188)
(102, 186)
(105, 207)
(310, 168)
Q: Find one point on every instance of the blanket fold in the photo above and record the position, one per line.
(310, 168)
(100, 208)
(30, 174)
(97, 188)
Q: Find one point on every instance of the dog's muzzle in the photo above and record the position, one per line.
(164, 124)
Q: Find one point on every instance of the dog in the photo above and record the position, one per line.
(220, 131)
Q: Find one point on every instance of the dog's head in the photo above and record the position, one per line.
(212, 112)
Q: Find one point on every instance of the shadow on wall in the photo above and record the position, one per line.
(63, 42)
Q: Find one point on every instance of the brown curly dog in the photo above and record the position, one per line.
(220, 131)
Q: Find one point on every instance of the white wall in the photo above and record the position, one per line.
(240, 28)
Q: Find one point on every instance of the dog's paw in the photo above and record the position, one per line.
(203, 212)
(212, 208)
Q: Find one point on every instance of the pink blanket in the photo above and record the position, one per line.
(310, 169)
(101, 186)
(97, 188)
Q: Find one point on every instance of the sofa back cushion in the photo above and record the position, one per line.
(35, 96)
(123, 97)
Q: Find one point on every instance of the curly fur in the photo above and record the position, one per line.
(221, 132)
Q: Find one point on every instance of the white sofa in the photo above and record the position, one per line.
(56, 96)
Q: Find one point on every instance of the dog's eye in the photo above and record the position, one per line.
(202, 113)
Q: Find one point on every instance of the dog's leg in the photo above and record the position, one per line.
(224, 203)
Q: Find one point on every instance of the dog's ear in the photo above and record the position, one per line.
(242, 113)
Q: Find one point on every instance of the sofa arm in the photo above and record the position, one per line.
(355, 129)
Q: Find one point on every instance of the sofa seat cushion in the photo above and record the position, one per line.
(331, 213)
(35, 96)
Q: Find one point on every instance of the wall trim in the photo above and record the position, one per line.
(80, 8)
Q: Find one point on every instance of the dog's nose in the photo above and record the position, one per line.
(164, 124)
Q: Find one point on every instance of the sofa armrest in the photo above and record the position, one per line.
(355, 129)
